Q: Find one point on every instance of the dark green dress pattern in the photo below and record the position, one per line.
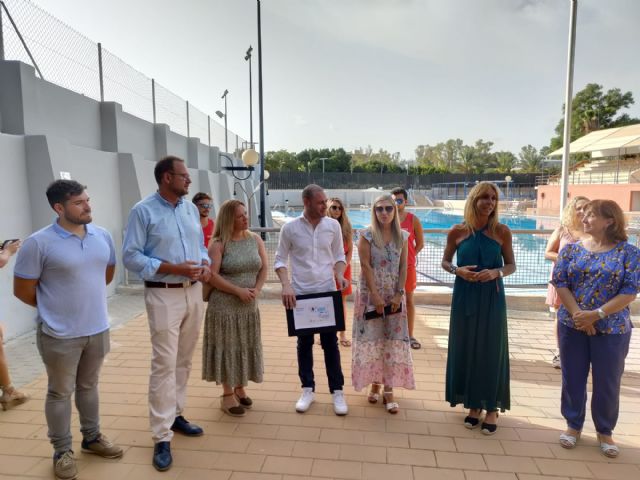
(478, 355)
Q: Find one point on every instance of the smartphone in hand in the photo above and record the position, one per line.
(6, 243)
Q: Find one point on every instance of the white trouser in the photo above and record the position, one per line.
(175, 316)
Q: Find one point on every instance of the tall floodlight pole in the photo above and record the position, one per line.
(247, 57)
(263, 218)
(226, 136)
(564, 188)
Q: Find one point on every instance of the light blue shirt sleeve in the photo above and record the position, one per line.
(282, 252)
(29, 260)
(133, 248)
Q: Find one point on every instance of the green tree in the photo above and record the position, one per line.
(281, 161)
(530, 160)
(593, 109)
(505, 162)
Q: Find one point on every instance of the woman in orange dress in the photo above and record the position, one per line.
(337, 211)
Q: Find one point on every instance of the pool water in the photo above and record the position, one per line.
(528, 248)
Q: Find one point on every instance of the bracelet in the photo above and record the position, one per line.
(453, 269)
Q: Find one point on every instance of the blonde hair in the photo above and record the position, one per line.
(470, 211)
(376, 228)
(345, 224)
(610, 210)
(569, 218)
(225, 220)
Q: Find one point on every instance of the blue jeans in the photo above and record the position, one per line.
(73, 365)
(329, 341)
(605, 354)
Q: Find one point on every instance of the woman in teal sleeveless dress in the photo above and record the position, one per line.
(478, 355)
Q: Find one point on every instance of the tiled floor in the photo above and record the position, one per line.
(426, 440)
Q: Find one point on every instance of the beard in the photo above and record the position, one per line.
(78, 220)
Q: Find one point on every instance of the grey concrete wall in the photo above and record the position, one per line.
(47, 131)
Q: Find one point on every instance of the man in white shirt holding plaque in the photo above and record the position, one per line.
(312, 245)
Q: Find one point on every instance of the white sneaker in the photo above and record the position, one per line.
(305, 400)
(339, 403)
(555, 362)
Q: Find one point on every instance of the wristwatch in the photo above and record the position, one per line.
(401, 291)
(501, 273)
(453, 269)
(601, 313)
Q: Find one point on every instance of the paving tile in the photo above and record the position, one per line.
(408, 456)
(610, 471)
(507, 463)
(287, 465)
(467, 461)
(478, 445)
(317, 450)
(563, 468)
(429, 442)
(362, 453)
(475, 475)
(271, 447)
(377, 471)
(337, 469)
(428, 473)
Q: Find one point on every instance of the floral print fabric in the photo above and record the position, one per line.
(381, 350)
(595, 278)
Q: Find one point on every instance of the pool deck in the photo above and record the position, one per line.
(425, 440)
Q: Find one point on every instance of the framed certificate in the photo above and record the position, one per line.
(316, 313)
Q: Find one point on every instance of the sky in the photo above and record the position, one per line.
(391, 74)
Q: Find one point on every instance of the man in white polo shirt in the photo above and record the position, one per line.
(312, 245)
(63, 270)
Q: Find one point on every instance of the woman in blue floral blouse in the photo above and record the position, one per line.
(596, 280)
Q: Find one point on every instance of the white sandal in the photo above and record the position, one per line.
(569, 441)
(608, 449)
(392, 407)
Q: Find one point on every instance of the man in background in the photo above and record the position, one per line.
(205, 203)
(411, 224)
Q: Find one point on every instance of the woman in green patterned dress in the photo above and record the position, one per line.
(478, 355)
(232, 348)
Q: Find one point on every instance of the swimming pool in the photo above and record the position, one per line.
(530, 235)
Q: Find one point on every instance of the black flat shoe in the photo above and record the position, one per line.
(162, 459)
(471, 422)
(245, 401)
(182, 426)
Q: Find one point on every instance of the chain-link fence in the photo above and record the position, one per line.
(63, 56)
(528, 247)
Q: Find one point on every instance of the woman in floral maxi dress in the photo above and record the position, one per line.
(381, 349)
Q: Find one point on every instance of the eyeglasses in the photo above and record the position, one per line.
(336, 207)
(399, 201)
(185, 176)
(387, 208)
(205, 205)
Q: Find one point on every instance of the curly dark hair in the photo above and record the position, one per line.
(61, 190)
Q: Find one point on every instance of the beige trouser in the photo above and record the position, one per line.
(175, 316)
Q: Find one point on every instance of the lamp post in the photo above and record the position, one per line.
(323, 182)
(508, 180)
(224, 115)
(250, 195)
(263, 218)
(247, 57)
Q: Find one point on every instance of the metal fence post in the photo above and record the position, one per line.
(100, 72)
(153, 98)
(188, 135)
(1, 34)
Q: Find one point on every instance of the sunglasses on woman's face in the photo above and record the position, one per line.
(336, 207)
(387, 208)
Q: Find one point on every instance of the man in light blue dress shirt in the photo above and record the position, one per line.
(164, 245)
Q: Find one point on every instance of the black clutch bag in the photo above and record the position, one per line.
(372, 314)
